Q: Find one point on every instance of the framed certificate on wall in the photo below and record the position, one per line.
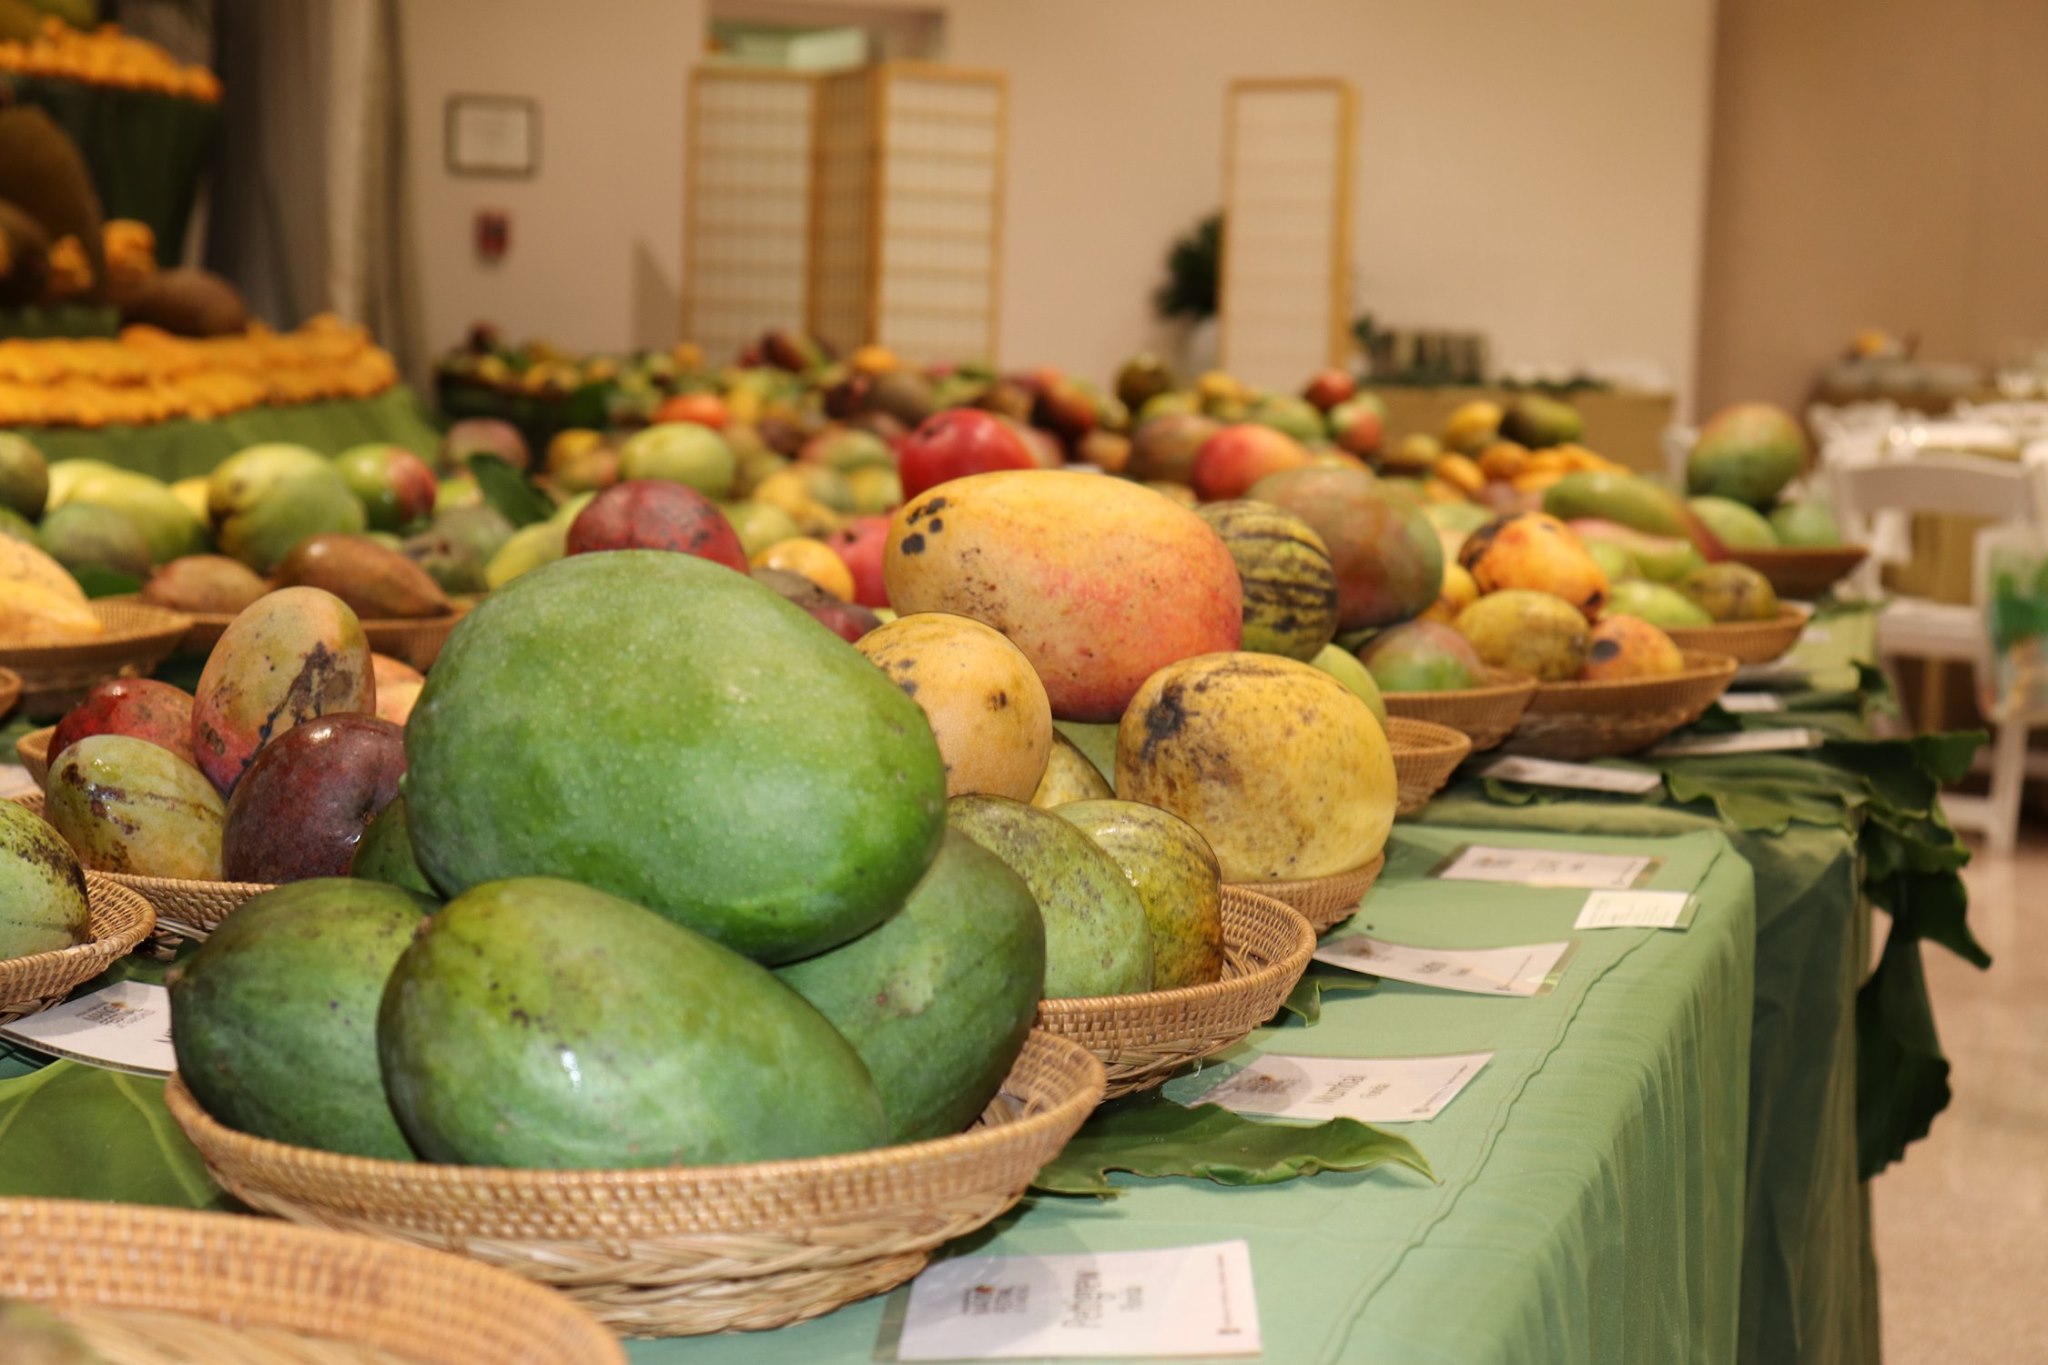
(493, 135)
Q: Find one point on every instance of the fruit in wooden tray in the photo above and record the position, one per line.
(1539, 553)
(1175, 873)
(613, 717)
(939, 997)
(294, 655)
(1522, 631)
(987, 708)
(43, 904)
(1389, 561)
(655, 514)
(1731, 592)
(1805, 525)
(1099, 581)
(715, 1061)
(276, 1015)
(301, 808)
(127, 805)
(1661, 559)
(207, 584)
(377, 583)
(1281, 767)
(1284, 570)
(141, 708)
(1097, 937)
(1423, 656)
(1069, 776)
(1628, 647)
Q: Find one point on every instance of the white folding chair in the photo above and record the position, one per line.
(1867, 486)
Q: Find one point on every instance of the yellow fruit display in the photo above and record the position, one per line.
(1461, 473)
(105, 56)
(986, 706)
(1280, 766)
(1457, 593)
(817, 561)
(1537, 552)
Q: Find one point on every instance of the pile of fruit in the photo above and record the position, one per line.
(106, 56)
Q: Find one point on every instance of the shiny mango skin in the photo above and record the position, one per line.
(1175, 873)
(538, 1023)
(43, 904)
(1101, 582)
(293, 655)
(1281, 767)
(986, 706)
(127, 805)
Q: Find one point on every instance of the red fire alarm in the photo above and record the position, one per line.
(493, 234)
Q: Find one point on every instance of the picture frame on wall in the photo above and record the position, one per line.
(494, 136)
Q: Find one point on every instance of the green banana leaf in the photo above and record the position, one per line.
(1305, 1001)
(1151, 1136)
(506, 489)
(71, 1131)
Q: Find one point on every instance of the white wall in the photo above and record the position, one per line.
(1536, 171)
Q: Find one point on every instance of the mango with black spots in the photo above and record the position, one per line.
(1175, 873)
(128, 805)
(938, 998)
(986, 706)
(1280, 766)
(1289, 585)
(1533, 633)
(1535, 552)
(535, 1022)
(1623, 648)
(1100, 582)
(274, 1019)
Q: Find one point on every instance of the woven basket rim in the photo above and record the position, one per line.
(1700, 665)
(165, 629)
(1077, 1007)
(166, 887)
(1423, 738)
(138, 1230)
(1502, 682)
(135, 918)
(1798, 554)
(209, 1133)
(220, 619)
(1376, 865)
(1788, 613)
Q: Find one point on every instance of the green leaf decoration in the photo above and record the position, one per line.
(1901, 1076)
(99, 582)
(71, 1131)
(506, 489)
(1305, 1001)
(1151, 1136)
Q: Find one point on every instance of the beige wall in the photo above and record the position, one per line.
(1875, 163)
(1536, 171)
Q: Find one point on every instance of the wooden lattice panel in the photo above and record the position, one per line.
(1285, 290)
(843, 209)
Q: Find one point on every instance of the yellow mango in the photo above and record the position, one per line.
(21, 562)
(987, 708)
(31, 614)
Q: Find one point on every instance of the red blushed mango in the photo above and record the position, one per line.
(1389, 562)
(140, 708)
(656, 514)
(1537, 552)
(955, 443)
(1238, 456)
(302, 807)
(861, 544)
(295, 655)
(1100, 582)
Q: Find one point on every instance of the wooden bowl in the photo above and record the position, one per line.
(120, 920)
(1324, 902)
(1425, 756)
(1803, 574)
(1486, 715)
(1746, 642)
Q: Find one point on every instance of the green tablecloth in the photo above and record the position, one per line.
(181, 450)
(1590, 1204)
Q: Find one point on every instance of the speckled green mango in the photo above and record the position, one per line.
(938, 999)
(42, 892)
(539, 1023)
(127, 805)
(1174, 871)
(660, 727)
(274, 1019)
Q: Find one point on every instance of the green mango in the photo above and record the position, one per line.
(938, 999)
(127, 805)
(1348, 669)
(274, 1019)
(82, 537)
(1097, 743)
(1633, 502)
(663, 728)
(1660, 604)
(1618, 564)
(1748, 452)
(267, 498)
(1735, 524)
(1806, 525)
(43, 904)
(162, 517)
(24, 476)
(1097, 938)
(538, 1023)
(1175, 873)
(385, 852)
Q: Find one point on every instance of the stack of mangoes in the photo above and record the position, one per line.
(1741, 464)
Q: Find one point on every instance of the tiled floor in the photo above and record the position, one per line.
(1962, 1222)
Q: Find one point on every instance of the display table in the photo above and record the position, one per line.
(186, 449)
(1625, 426)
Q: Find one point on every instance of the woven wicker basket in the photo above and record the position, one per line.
(1425, 756)
(185, 907)
(1143, 1038)
(172, 1285)
(1581, 720)
(1485, 715)
(1324, 902)
(1803, 574)
(55, 676)
(684, 1250)
(1746, 642)
(33, 749)
(120, 920)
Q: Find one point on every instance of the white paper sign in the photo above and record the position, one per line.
(1184, 1301)
(1636, 910)
(1548, 772)
(1526, 970)
(1751, 703)
(1546, 867)
(125, 1027)
(1369, 1089)
(1817, 634)
(1742, 742)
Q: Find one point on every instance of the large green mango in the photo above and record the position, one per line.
(938, 1000)
(661, 727)
(539, 1023)
(274, 1019)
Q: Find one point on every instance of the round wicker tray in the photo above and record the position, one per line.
(1425, 756)
(185, 907)
(1746, 642)
(418, 642)
(1804, 574)
(120, 920)
(1324, 902)
(1143, 1038)
(682, 1250)
(1485, 715)
(168, 1284)
(1581, 720)
(55, 676)
(33, 749)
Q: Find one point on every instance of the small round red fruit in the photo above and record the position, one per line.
(953, 444)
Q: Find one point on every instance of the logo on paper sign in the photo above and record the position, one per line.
(995, 1300)
(115, 1014)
